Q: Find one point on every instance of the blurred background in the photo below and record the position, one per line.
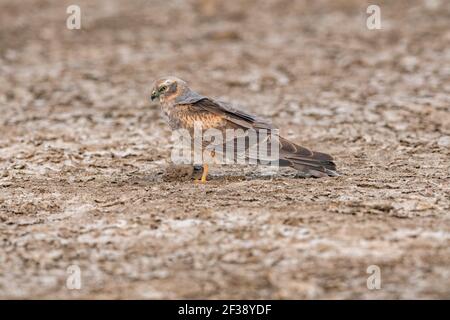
(273, 55)
(82, 149)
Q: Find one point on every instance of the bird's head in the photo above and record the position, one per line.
(168, 89)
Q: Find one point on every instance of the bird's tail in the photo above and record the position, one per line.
(311, 163)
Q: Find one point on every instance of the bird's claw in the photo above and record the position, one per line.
(204, 175)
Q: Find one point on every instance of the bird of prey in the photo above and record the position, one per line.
(183, 107)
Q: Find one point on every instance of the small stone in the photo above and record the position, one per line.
(409, 63)
(444, 141)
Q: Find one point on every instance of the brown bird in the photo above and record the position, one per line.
(183, 107)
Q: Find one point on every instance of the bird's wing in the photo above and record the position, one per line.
(290, 154)
(237, 117)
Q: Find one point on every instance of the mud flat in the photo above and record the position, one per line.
(83, 151)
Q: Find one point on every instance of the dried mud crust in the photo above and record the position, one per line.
(83, 170)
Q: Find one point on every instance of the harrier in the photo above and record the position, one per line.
(184, 107)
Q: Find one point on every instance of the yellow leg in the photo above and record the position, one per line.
(205, 173)
(205, 169)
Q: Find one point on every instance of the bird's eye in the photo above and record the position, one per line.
(163, 88)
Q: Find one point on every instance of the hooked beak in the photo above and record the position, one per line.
(155, 94)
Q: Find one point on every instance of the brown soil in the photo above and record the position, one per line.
(83, 152)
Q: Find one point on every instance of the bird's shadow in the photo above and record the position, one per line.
(186, 174)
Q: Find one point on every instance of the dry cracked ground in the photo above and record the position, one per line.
(84, 173)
